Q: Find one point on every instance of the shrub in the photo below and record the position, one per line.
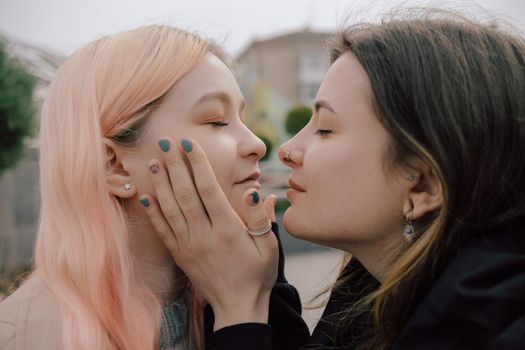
(297, 118)
(16, 109)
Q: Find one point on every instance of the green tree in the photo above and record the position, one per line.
(17, 111)
(268, 143)
(297, 118)
(17, 122)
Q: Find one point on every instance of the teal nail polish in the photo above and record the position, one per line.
(255, 198)
(164, 145)
(186, 144)
(144, 202)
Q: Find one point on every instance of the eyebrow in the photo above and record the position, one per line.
(219, 95)
(323, 104)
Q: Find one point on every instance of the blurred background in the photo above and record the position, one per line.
(280, 60)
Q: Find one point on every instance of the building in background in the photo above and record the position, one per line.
(275, 75)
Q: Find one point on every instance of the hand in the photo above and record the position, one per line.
(233, 270)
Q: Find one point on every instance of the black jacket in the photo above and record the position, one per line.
(477, 302)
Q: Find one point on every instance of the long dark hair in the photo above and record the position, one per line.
(451, 92)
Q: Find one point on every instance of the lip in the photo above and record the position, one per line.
(252, 180)
(250, 183)
(294, 186)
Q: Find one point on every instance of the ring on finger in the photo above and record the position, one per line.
(265, 230)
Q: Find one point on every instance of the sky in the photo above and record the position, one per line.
(64, 25)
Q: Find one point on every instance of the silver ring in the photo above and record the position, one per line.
(287, 157)
(265, 230)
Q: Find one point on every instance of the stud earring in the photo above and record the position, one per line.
(127, 187)
(409, 232)
(411, 178)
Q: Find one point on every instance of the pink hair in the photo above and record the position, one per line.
(82, 250)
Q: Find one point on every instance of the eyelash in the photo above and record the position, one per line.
(218, 124)
(323, 132)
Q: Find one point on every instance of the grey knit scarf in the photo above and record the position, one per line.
(174, 327)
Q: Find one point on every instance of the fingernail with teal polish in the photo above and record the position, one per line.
(144, 202)
(255, 198)
(186, 144)
(164, 145)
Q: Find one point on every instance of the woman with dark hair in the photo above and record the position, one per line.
(413, 163)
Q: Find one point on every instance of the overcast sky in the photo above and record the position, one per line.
(64, 25)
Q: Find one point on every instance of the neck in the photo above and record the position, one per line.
(166, 280)
(377, 258)
(155, 265)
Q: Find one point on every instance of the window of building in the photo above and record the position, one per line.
(311, 60)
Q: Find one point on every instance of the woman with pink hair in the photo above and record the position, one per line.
(103, 278)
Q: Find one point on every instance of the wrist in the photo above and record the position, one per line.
(252, 312)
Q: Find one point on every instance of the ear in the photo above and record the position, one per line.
(425, 190)
(117, 177)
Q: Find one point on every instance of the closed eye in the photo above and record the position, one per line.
(218, 124)
(323, 132)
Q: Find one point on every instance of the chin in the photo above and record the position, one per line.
(299, 228)
(235, 199)
(294, 225)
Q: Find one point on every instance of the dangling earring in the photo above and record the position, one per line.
(409, 232)
(127, 187)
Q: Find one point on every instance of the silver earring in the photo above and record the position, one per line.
(411, 178)
(127, 187)
(409, 232)
(287, 157)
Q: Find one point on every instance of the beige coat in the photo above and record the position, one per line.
(29, 319)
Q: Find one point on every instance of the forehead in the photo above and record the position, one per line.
(210, 76)
(346, 84)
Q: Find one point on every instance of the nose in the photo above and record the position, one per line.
(251, 145)
(290, 154)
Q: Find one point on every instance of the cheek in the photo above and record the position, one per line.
(325, 207)
(349, 197)
(312, 213)
(222, 154)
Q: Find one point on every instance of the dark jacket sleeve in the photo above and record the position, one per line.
(477, 303)
(286, 330)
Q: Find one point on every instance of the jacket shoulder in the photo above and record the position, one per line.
(29, 319)
(478, 302)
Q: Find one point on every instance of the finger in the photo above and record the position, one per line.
(210, 192)
(166, 200)
(256, 218)
(269, 206)
(183, 187)
(160, 224)
(254, 214)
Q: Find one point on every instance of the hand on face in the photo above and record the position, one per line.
(233, 270)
